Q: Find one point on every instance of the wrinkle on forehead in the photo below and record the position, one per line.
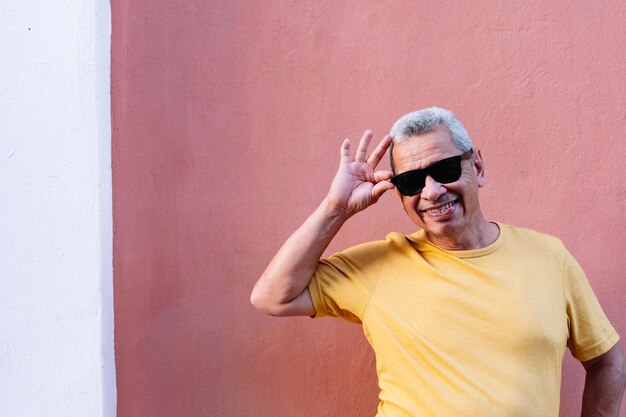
(422, 151)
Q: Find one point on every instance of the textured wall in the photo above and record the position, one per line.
(56, 307)
(228, 116)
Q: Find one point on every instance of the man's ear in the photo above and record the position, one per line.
(479, 168)
(400, 196)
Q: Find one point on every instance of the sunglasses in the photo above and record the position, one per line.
(445, 171)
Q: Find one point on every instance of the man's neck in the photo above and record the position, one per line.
(477, 237)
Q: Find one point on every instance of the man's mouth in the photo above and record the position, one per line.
(440, 209)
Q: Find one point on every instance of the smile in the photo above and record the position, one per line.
(440, 209)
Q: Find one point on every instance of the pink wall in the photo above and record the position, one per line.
(227, 118)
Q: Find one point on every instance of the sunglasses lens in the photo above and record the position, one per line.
(410, 183)
(446, 171)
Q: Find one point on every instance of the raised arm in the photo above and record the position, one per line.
(282, 289)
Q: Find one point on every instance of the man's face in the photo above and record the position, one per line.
(446, 212)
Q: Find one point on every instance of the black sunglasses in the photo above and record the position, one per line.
(445, 171)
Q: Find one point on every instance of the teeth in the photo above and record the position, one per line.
(442, 208)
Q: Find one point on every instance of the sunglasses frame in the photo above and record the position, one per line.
(428, 172)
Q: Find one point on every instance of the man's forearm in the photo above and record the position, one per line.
(604, 385)
(293, 266)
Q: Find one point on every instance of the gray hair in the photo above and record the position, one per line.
(423, 121)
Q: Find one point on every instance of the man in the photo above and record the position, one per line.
(467, 317)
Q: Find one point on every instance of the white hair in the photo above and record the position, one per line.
(423, 121)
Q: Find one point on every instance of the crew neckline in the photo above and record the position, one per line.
(421, 242)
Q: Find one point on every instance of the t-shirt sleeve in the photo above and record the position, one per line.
(343, 284)
(590, 332)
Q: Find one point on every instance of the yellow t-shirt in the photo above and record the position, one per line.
(466, 333)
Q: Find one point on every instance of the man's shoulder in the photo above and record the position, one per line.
(394, 242)
(531, 237)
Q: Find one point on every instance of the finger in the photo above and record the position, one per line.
(379, 152)
(380, 188)
(382, 176)
(361, 152)
(345, 151)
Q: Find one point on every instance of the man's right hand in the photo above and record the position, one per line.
(357, 185)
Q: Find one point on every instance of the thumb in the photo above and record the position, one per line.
(380, 188)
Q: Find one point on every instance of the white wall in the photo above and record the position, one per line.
(56, 309)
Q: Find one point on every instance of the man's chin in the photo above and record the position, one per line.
(443, 229)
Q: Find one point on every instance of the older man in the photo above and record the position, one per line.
(467, 317)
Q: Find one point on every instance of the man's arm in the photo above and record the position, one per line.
(282, 289)
(604, 384)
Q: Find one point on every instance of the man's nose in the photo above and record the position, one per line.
(432, 189)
